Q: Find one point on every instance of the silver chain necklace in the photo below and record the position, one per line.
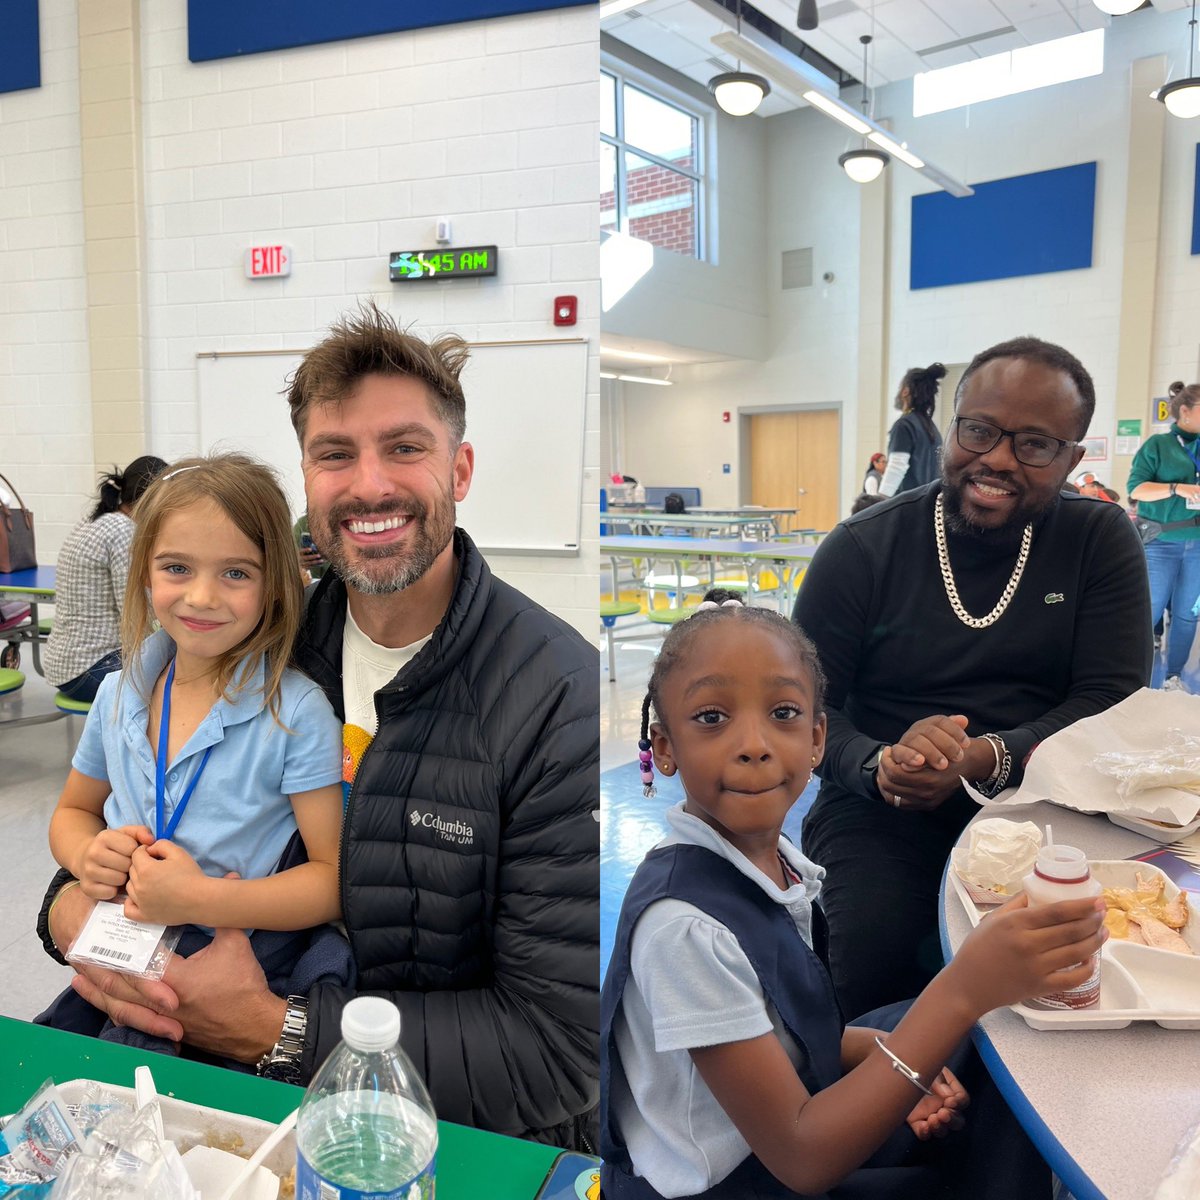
(939, 530)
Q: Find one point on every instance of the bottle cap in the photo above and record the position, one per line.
(370, 1023)
(1062, 864)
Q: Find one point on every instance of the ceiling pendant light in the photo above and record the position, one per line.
(864, 164)
(1117, 8)
(807, 17)
(1182, 97)
(739, 92)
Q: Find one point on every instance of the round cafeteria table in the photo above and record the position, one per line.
(1106, 1108)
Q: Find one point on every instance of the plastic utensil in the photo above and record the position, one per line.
(146, 1093)
(220, 1175)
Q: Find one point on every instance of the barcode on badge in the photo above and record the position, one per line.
(328, 1191)
(115, 955)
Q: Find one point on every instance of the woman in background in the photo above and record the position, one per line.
(85, 642)
(874, 475)
(914, 444)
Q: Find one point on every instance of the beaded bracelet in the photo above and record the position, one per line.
(912, 1076)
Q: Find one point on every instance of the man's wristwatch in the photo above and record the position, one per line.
(282, 1061)
(870, 766)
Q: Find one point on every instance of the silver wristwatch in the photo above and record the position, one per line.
(282, 1061)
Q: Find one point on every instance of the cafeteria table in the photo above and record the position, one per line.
(731, 524)
(34, 586)
(470, 1163)
(787, 559)
(1107, 1108)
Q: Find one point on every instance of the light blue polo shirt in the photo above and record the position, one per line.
(239, 817)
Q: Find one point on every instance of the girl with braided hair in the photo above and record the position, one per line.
(725, 1068)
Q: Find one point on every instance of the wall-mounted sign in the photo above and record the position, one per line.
(267, 262)
(464, 263)
(1129, 436)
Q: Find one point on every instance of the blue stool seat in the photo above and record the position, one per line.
(10, 680)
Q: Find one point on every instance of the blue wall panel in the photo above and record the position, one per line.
(1196, 206)
(1026, 225)
(224, 28)
(20, 59)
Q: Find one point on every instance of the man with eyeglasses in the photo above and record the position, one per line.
(960, 624)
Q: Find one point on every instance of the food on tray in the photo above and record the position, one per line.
(1143, 914)
(998, 854)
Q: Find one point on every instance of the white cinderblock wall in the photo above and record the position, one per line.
(344, 151)
(814, 333)
(45, 416)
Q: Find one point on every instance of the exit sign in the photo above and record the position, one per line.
(265, 262)
(465, 263)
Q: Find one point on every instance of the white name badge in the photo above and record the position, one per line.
(1192, 501)
(110, 939)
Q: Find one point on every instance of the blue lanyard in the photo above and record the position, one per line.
(160, 773)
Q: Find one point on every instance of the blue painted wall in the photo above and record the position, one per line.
(1196, 206)
(1026, 225)
(224, 28)
(20, 56)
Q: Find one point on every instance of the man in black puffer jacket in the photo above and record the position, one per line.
(469, 859)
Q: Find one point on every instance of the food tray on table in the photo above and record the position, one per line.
(1137, 983)
(189, 1125)
(1160, 831)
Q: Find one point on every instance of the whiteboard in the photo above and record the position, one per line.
(525, 417)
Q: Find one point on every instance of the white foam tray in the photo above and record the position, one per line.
(1137, 983)
(1157, 830)
(189, 1125)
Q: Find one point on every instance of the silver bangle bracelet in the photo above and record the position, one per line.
(912, 1076)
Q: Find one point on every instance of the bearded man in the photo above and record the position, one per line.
(960, 624)
(469, 863)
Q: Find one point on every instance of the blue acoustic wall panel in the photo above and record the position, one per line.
(20, 57)
(224, 28)
(1196, 206)
(1026, 225)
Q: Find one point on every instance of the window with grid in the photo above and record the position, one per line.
(650, 168)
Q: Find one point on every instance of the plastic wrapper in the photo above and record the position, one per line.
(122, 1159)
(109, 939)
(36, 1144)
(1181, 1179)
(1175, 764)
(998, 856)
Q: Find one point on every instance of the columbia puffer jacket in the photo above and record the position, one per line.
(469, 859)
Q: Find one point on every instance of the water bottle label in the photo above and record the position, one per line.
(312, 1185)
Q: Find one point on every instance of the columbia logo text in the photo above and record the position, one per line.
(458, 832)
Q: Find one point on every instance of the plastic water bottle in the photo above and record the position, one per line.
(366, 1127)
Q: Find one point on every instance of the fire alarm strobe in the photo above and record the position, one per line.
(564, 310)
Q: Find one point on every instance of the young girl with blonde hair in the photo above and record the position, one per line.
(205, 756)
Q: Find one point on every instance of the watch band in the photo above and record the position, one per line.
(282, 1061)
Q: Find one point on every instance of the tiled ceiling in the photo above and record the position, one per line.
(909, 35)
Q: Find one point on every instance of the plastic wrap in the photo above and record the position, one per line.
(1181, 1179)
(1176, 764)
(36, 1144)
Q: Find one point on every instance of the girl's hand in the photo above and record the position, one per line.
(1017, 953)
(165, 885)
(937, 1115)
(104, 866)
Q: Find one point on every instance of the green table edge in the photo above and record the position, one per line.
(471, 1163)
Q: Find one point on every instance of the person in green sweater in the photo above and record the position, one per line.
(1165, 481)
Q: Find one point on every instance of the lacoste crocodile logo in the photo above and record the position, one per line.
(1054, 597)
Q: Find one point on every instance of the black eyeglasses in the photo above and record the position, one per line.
(1032, 449)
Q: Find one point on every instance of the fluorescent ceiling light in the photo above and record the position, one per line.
(610, 8)
(1117, 8)
(635, 378)
(894, 148)
(838, 111)
(635, 355)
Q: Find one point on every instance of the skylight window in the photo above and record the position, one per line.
(1059, 61)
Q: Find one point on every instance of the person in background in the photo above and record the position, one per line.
(1165, 481)
(874, 475)
(865, 500)
(1088, 485)
(914, 443)
(311, 559)
(85, 641)
(959, 625)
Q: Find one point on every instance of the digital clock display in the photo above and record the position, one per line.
(466, 262)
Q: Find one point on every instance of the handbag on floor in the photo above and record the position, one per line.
(17, 551)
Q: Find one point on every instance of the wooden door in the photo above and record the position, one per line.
(794, 459)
